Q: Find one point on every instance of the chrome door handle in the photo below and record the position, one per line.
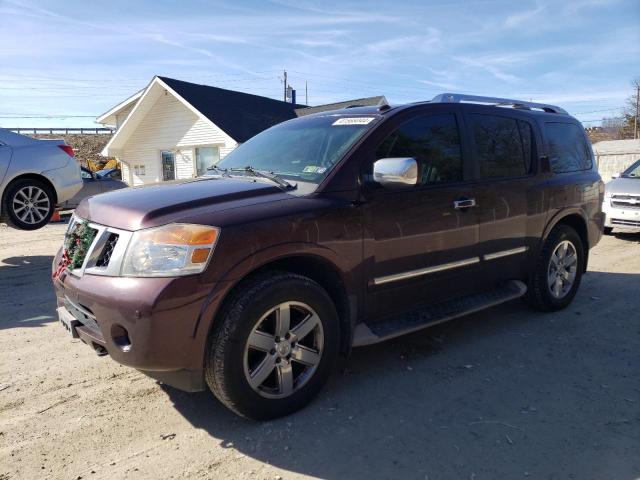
(464, 203)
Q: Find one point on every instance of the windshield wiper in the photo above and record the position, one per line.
(268, 175)
(223, 171)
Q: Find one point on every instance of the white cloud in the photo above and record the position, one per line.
(446, 86)
(489, 67)
(405, 44)
(526, 16)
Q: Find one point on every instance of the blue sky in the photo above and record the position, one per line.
(77, 59)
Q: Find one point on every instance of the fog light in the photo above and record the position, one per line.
(120, 337)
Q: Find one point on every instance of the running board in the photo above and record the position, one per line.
(367, 334)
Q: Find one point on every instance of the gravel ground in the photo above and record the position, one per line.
(503, 394)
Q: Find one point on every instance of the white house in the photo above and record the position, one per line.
(175, 129)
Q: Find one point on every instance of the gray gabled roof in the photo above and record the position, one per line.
(240, 115)
(360, 102)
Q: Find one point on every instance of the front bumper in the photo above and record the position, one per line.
(621, 217)
(151, 324)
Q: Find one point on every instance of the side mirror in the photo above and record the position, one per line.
(615, 175)
(395, 172)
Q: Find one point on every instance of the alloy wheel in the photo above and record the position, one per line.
(563, 266)
(283, 350)
(31, 205)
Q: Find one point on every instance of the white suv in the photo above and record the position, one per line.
(35, 176)
(622, 200)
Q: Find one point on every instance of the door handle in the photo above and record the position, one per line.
(464, 203)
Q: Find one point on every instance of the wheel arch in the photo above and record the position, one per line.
(317, 268)
(576, 219)
(32, 176)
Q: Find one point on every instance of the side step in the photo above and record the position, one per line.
(367, 334)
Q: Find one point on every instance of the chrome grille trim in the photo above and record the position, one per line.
(97, 247)
(625, 201)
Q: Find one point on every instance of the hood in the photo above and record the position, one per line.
(623, 186)
(159, 204)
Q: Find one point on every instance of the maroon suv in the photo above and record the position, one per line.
(335, 230)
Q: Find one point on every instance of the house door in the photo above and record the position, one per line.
(168, 166)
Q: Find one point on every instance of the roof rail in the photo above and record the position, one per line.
(459, 98)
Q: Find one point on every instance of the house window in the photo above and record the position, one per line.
(168, 166)
(206, 157)
(139, 170)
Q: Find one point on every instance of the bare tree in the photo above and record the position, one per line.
(632, 110)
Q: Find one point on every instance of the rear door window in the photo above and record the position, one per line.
(568, 148)
(433, 141)
(502, 145)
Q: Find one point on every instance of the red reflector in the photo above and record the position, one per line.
(67, 149)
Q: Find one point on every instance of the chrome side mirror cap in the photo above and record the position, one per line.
(395, 172)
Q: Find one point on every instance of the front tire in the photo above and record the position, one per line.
(558, 272)
(28, 204)
(608, 230)
(273, 346)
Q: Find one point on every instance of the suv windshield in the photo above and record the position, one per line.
(633, 171)
(302, 150)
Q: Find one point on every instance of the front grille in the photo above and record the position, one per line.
(78, 241)
(107, 251)
(625, 223)
(105, 254)
(625, 201)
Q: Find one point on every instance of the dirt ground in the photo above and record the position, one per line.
(508, 393)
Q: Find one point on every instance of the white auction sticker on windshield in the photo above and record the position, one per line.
(353, 121)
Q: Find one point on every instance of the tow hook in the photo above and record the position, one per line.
(100, 350)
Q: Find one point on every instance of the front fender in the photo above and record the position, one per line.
(256, 260)
(249, 264)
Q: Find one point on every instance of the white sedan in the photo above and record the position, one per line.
(35, 176)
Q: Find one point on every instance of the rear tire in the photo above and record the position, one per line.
(260, 363)
(28, 204)
(608, 230)
(558, 272)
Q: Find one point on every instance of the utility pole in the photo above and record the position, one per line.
(285, 86)
(635, 123)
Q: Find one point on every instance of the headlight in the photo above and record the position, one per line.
(171, 250)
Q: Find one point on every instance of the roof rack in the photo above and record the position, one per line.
(500, 102)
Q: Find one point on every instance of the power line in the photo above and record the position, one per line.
(598, 111)
(51, 116)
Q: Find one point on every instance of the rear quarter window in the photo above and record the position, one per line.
(568, 148)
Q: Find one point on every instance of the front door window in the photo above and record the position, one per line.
(168, 166)
(206, 157)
